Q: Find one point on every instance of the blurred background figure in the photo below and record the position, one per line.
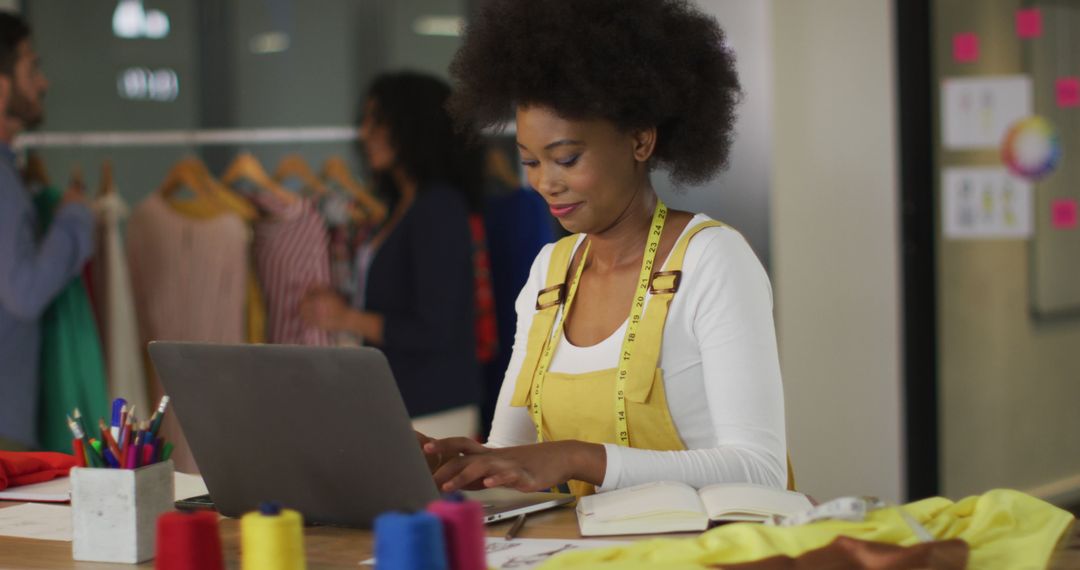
(417, 289)
(45, 239)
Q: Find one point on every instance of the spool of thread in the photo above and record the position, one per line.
(272, 538)
(409, 542)
(463, 528)
(188, 541)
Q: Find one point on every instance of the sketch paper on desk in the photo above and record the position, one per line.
(530, 552)
(977, 112)
(41, 522)
(985, 203)
(59, 490)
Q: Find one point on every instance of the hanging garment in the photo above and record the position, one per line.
(190, 276)
(72, 370)
(292, 258)
(335, 208)
(116, 315)
(1004, 529)
(718, 369)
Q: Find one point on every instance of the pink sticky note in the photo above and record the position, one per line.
(1063, 214)
(965, 47)
(1029, 23)
(1068, 91)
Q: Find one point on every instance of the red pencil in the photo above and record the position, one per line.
(77, 450)
(106, 436)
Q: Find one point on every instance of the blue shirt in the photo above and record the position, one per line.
(32, 272)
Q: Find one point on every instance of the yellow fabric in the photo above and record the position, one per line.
(256, 309)
(580, 406)
(1005, 529)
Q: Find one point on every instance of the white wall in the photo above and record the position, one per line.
(835, 244)
(740, 195)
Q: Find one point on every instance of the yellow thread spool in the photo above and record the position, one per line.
(271, 540)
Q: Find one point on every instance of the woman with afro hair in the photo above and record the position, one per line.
(645, 348)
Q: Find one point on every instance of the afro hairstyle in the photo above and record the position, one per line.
(636, 63)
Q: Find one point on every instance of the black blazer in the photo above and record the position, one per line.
(421, 281)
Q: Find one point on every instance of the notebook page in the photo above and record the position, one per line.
(751, 499)
(649, 499)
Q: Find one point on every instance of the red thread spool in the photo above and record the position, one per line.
(463, 525)
(188, 541)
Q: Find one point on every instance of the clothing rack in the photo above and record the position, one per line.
(194, 137)
(200, 137)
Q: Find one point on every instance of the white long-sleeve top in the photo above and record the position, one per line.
(721, 372)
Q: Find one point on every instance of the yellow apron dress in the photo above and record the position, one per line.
(586, 407)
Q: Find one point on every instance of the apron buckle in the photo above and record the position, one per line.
(560, 289)
(672, 288)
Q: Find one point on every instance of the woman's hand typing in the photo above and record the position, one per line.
(466, 464)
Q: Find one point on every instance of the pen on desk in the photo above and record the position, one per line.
(77, 450)
(78, 420)
(125, 431)
(110, 459)
(159, 416)
(95, 453)
(107, 437)
(516, 528)
(114, 422)
(80, 434)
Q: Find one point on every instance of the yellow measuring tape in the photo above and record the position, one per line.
(622, 431)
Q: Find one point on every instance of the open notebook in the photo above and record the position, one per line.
(667, 506)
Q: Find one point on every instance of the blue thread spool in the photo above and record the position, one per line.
(409, 542)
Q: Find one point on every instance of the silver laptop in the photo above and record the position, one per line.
(320, 430)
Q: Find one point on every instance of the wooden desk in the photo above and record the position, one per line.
(345, 548)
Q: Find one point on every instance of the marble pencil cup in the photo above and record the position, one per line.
(115, 511)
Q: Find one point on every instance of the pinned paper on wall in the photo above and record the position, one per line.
(1029, 23)
(985, 203)
(977, 112)
(1063, 214)
(1067, 90)
(965, 47)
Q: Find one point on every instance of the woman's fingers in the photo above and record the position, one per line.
(453, 446)
(449, 469)
(476, 469)
(504, 479)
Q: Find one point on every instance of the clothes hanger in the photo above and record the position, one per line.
(77, 178)
(106, 186)
(231, 200)
(188, 174)
(246, 167)
(336, 170)
(294, 166)
(35, 172)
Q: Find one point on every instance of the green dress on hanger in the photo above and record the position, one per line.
(72, 373)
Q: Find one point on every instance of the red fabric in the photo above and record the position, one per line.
(487, 335)
(26, 467)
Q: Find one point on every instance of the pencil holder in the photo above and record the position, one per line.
(115, 511)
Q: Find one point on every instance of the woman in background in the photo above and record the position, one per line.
(415, 296)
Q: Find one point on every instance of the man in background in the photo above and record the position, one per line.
(33, 268)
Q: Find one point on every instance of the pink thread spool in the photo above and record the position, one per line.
(463, 525)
